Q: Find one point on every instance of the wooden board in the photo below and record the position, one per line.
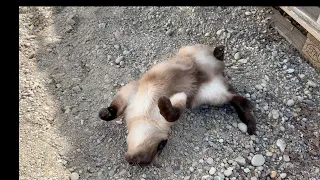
(307, 17)
(288, 31)
(311, 50)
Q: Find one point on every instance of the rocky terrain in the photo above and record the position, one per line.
(72, 61)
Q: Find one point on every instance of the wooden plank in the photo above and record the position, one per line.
(304, 19)
(311, 11)
(311, 51)
(288, 31)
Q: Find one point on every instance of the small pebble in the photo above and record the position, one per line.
(212, 170)
(74, 176)
(286, 158)
(258, 87)
(219, 32)
(126, 52)
(289, 71)
(181, 30)
(241, 160)
(247, 13)
(206, 177)
(217, 178)
(209, 160)
(290, 102)
(281, 144)
(207, 35)
(50, 103)
(273, 174)
(243, 61)
(228, 171)
(269, 154)
(246, 170)
(257, 160)
(301, 76)
(253, 178)
(243, 127)
(260, 168)
(237, 56)
(119, 59)
(102, 25)
(275, 114)
(70, 21)
(311, 83)
(283, 175)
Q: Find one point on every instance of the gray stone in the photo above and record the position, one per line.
(126, 52)
(281, 144)
(243, 61)
(258, 87)
(289, 71)
(265, 108)
(119, 59)
(217, 178)
(311, 83)
(283, 175)
(308, 101)
(209, 160)
(237, 56)
(247, 13)
(50, 103)
(102, 25)
(111, 173)
(301, 76)
(290, 102)
(246, 170)
(241, 160)
(269, 154)
(169, 169)
(228, 171)
(206, 177)
(76, 89)
(257, 160)
(74, 176)
(243, 127)
(207, 35)
(260, 168)
(212, 171)
(71, 21)
(275, 114)
(286, 158)
(181, 30)
(219, 32)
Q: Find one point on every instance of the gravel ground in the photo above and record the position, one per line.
(72, 60)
